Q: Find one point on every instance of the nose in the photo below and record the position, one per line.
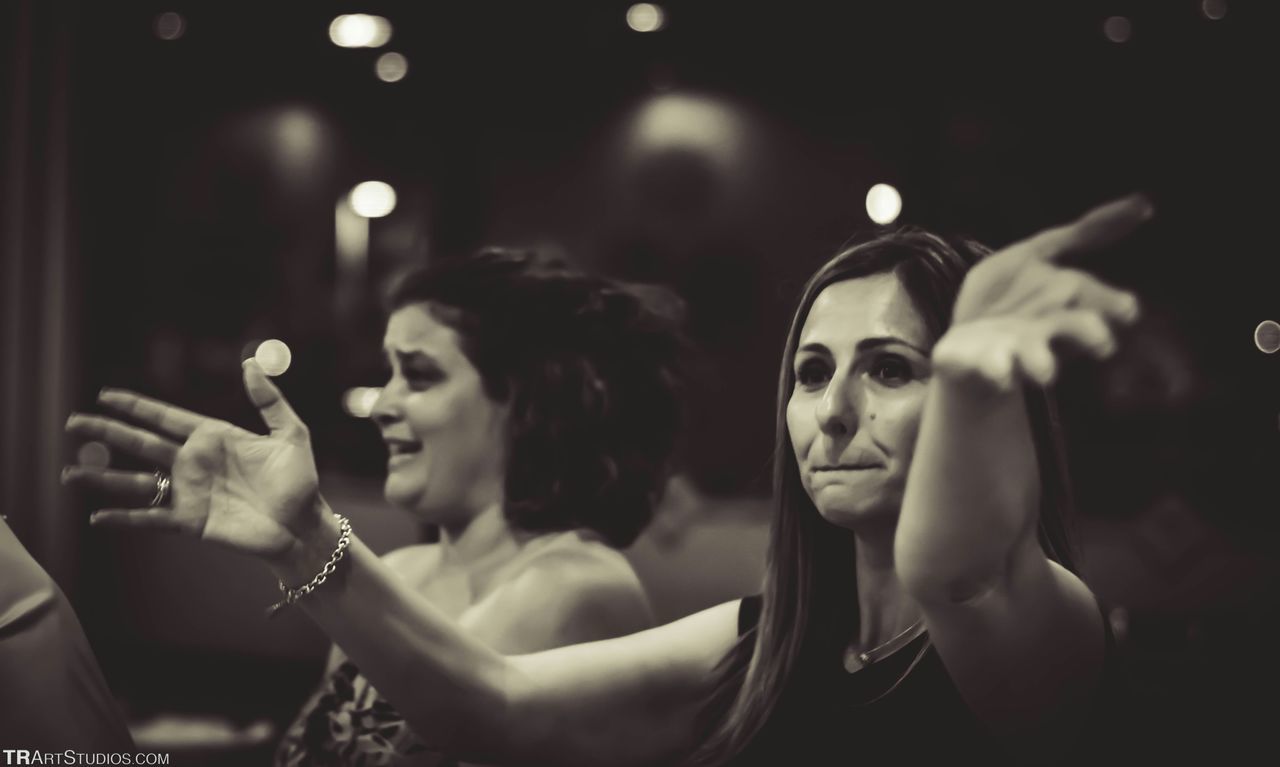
(386, 408)
(837, 411)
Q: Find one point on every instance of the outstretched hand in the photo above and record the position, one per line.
(250, 492)
(1018, 306)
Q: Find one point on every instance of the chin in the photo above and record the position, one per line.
(855, 513)
(852, 519)
(403, 496)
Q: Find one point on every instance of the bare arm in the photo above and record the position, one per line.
(1021, 636)
(54, 696)
(621, 701)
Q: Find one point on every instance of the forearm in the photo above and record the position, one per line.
(450, 688)
(973, 492)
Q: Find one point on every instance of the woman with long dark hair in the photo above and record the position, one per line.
(919, 599)
(852, 390)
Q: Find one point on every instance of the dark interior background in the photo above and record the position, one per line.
(167, 203)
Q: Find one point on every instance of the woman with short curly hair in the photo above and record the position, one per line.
(529, 416)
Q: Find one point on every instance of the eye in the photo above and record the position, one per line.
(892, 370)
(813, 373)
(422, 377)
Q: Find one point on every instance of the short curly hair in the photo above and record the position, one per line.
(591, 370)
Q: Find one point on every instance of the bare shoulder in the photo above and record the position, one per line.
(413, 563)
(576, 557)
(574, 591)
(584, 573)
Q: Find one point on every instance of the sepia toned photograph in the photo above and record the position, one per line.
(594, 383)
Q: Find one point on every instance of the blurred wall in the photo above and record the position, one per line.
(39, 256)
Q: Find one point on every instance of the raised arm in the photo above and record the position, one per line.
(623, 701)
(1021, 636)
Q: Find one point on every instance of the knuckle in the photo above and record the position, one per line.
(1095, 325)
(1127, 305)
(1065, 291)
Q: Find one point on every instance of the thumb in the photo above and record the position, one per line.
(271, 404)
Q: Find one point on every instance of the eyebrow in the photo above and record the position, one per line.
(866, 344)
(413, 355)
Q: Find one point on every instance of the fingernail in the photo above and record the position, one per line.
(71, 419)
(1143, 204)
(66, 474)
(1133, 308)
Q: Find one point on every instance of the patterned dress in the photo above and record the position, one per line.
(346, 723)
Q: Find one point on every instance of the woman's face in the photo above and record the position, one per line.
(445, 438)
(861, 368)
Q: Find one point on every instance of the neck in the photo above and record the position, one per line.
(884, 609)
(477, 538)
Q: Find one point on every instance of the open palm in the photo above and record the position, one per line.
(1020, 305)
(231, 486)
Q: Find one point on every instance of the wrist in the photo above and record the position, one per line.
(973, 362)
(313, 536)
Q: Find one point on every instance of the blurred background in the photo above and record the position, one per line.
(183, 181)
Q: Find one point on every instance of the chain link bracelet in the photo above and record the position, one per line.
(293, 595)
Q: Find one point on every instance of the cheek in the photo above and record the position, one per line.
(477, 431)
(897, 422)
(799, 428)
(423, 413)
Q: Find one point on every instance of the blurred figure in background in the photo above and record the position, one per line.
(919, 602)
(52, 693)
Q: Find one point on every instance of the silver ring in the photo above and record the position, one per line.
(162, 489)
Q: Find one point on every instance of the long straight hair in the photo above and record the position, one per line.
(806, 618)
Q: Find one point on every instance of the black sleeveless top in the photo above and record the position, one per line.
(863, 718)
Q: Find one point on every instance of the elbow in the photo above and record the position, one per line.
(946, 578)
(949, 588)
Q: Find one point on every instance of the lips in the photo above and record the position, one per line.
(397, 447)
(850, 461)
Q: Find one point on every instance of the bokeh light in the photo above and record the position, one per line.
(360, 30)
(170, 26)
(391, 67)
(299, 142)
(1117, 29)
(695, 123)
(359, 401)
(274, 356)
(645, 17)
(95, 455)
(884, 204)
(1214, 10)
(1267, 336)
(372, 199)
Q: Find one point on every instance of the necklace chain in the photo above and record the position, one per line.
(855, 661)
